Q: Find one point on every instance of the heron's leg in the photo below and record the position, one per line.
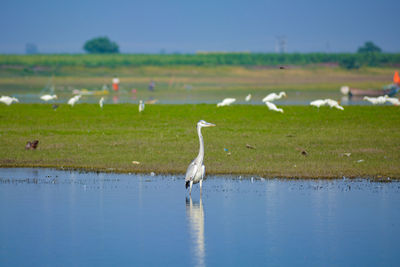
(201, 183)
(190, 190)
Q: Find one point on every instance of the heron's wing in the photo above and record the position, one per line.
(191, 171)
(203, 171)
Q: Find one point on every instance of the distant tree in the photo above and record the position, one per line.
(369, 47)
(101, 45)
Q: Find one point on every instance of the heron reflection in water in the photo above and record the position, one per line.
(195, 217)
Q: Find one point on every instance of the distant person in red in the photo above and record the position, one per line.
(152, 85)
(396, 78)
(115, 83)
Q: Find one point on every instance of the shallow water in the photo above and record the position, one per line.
(62, 218)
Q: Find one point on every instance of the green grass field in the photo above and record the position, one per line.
(164, 140)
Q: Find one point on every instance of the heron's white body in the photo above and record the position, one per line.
(141, 106)
(273, 96)
(318, 103)
(248, 98)
(376, 100)
(8, 100)
(273, 107)
(72, 101)
(196, 169)
(226, 102)
(101, 102)
(48, 97)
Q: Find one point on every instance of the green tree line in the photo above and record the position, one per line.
(347, 60)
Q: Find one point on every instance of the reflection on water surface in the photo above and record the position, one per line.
(51, 217)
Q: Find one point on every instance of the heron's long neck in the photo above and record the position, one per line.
(201, 150)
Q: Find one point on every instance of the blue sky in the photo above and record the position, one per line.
(190, 26)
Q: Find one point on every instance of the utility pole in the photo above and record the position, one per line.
(280, 44)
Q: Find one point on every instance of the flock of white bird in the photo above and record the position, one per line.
(382, 100)
(268, 100)
(72, 101)
(326, 102)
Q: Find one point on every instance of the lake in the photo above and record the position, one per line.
(68, 218)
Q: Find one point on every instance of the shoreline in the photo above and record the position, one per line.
(378, 178)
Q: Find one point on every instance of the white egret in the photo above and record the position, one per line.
(48, 97)
(248, 98)
(273, 96)
(337, 107)
(101, 102)
(196, 170)
(8, 100)
(141, 106)
(318, 103)
(376, 100)
(345, 90)
(272, 106)
(333, 104)
(73, 100)
(226, 102)
(393, 101)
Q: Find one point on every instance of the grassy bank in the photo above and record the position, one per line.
(163, 139)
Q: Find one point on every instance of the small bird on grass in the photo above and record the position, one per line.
(31, 145)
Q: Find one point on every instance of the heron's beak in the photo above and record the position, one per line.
(210, 125)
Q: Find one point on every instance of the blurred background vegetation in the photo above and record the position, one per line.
(345, 60)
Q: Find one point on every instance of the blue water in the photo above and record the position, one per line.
(60, 218)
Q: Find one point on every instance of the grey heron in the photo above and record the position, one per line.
(196, 170)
